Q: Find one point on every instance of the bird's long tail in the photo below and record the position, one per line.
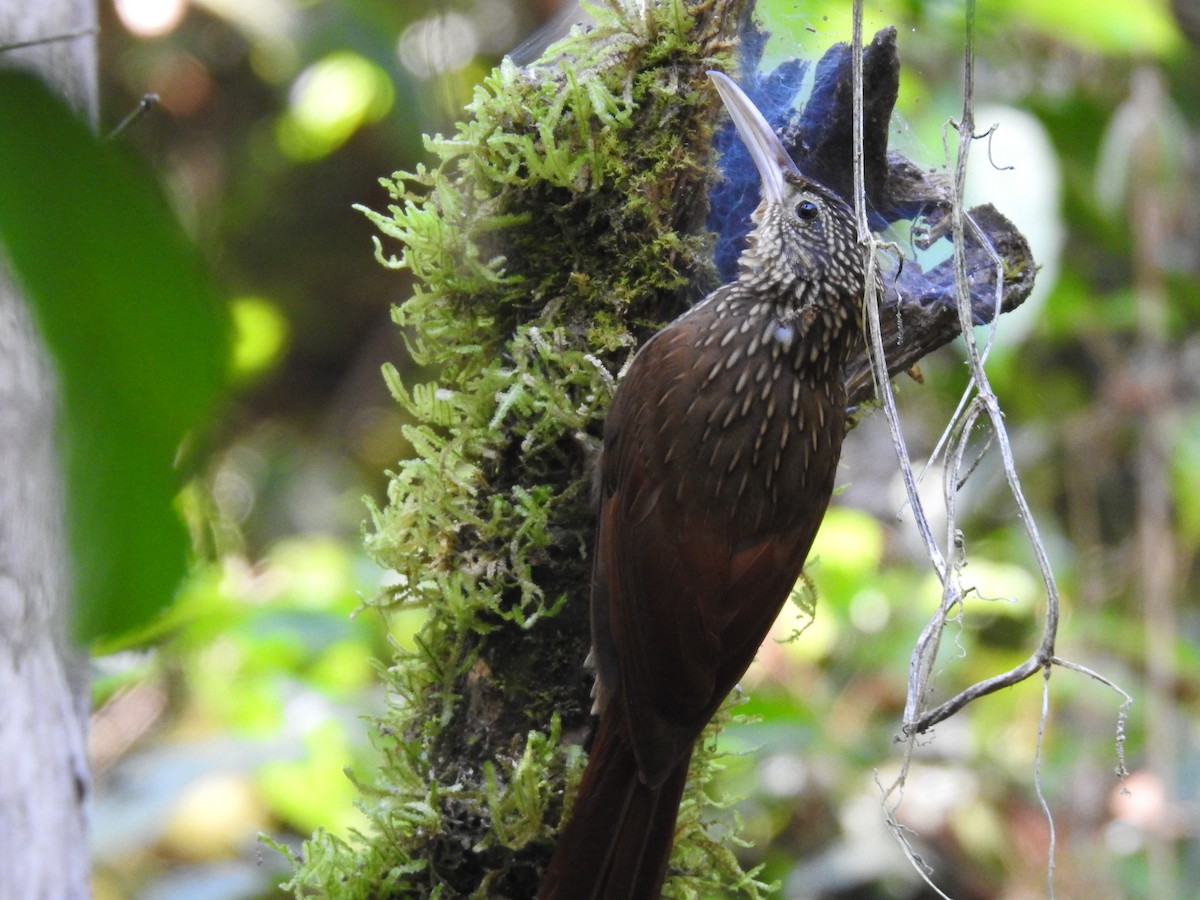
(618, 841)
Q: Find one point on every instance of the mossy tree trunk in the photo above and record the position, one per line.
(560, 226)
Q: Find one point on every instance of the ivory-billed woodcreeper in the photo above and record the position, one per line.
(718, 462)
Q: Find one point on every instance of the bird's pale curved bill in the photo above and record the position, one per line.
(767, 151)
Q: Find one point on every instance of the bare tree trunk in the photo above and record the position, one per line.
(43, 695)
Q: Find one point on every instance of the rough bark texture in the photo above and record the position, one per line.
(43, 698)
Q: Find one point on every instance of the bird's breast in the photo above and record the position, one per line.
(748, 421)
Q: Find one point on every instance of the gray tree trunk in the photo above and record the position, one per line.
(43, 695)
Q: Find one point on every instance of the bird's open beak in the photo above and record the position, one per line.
(767, 151)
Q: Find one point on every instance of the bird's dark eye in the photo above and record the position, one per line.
(806, 209)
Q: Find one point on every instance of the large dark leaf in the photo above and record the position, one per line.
(131, 318)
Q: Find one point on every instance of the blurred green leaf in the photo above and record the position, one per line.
(1107, 26)
(131, 318)
(1185, 479)
(314, 792)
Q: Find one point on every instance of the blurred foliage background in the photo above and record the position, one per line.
(275, 116)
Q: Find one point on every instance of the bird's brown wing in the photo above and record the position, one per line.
(681, 599)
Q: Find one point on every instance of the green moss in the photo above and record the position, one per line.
(556, 228)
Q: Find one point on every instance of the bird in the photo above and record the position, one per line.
(719, 456)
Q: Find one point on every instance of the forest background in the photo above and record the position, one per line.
(276, 117)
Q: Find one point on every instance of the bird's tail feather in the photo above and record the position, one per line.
(618, 840)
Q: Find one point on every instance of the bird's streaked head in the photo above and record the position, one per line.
(804, 232)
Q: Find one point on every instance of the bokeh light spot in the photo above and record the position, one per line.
(445, 42)
(259, 336)
(151, 18)
(329, 101)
